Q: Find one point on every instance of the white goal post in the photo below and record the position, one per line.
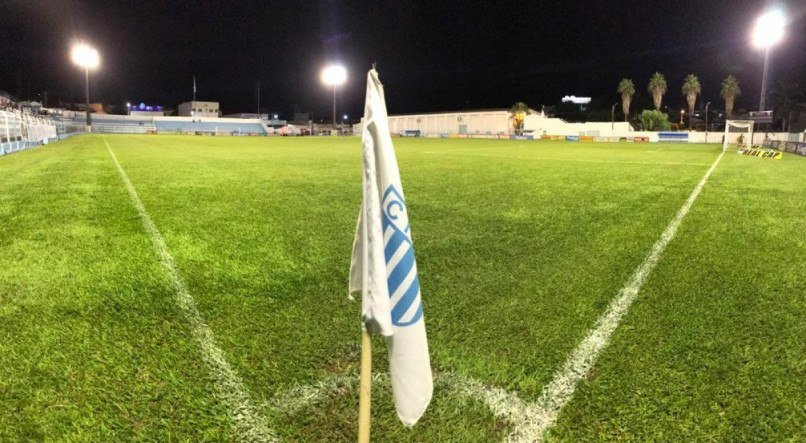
(738, 134)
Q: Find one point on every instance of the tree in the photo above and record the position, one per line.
(691, 89)
(519, 111)
(655, 120)
(786, 101)
(627, 89)
(730, 90)
(657, 87)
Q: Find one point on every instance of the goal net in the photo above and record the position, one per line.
(738, 134)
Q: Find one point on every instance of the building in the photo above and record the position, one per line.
(199, 109)
(265, 118)
(6, 99)
(261, 116)
(144, 110)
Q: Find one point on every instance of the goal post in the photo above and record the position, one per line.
(738, 134)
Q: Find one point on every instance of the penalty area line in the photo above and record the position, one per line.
(249, 425)
(543, 413)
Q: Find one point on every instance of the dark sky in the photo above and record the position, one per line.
(432, 56)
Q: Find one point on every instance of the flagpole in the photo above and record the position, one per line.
(365, 389)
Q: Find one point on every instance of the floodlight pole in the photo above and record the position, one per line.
(706, 121)
(87, 97)
(334, 106)
(762, 100)
(613, 117)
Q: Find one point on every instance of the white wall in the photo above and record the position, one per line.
(498, 122)
(542, 125)
(473, 122)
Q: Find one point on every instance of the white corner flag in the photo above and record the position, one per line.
(383, 266)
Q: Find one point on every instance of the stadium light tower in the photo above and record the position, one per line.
(613, 117)
(86, 57)
(769, 30)
(334, 75)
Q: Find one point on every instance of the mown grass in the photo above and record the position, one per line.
(520, 247)
(714, 348)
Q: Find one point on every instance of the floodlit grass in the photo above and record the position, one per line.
(520, 246)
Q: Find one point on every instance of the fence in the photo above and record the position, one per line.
(798, 148)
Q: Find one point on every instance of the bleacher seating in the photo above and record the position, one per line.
(199, 127)
(119, 126)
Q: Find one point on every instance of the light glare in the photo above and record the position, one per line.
(769, 29)
(85, 56)
(334, 75)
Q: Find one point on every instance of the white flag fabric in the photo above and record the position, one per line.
(194, 84)
(383, 266)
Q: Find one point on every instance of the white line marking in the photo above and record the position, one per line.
(249, 425)
(576, 160)
(502, 404)
(542, 414)
(301, 397)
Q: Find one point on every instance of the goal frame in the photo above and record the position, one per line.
(740, 124)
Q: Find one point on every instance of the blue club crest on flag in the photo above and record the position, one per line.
(401, 268)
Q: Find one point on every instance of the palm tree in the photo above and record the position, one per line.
(691, 89)
(657, 87)
(627, 89)
(730, 90)
(519, 111)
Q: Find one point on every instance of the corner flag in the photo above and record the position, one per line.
(383, 266)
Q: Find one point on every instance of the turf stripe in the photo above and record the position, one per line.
(249, 425)
(544, 412)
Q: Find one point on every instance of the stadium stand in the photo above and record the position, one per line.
(120, 126)
(203, 127)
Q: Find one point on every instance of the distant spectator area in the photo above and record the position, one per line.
(207, 127)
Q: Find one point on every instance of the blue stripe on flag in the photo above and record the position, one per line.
(402, 306)
(400, 272)
(394, 242)
(406, 265)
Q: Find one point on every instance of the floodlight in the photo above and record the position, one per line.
(769, 29)
(334, 75)
(85, 56)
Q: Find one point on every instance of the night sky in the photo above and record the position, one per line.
(432, 56)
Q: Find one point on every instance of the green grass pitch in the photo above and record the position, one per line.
(520, 247)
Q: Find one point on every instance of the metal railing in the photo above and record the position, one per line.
(19, 131)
